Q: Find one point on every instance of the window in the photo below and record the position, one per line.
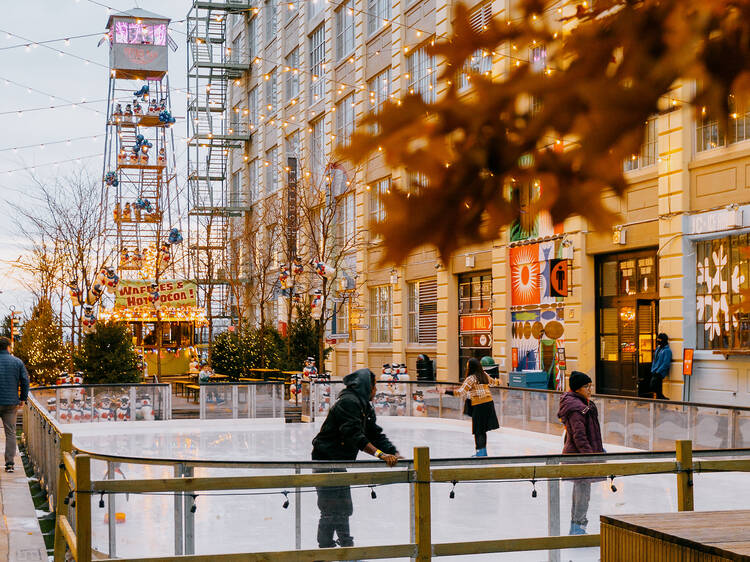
(380, 314)
(340, 318)
(253, 106)
(234, 119)
(252, 37)
(345, 220)
(377, 210)
(422, 312)
(709, 137)
(292, 145)
(723, 271)
(317, 62)
(416, 182)
(271, 92)
(647, 155)
(345, 119)
(234, 195)
(420, 68)
(135, 33)
(254, 176)
(315, 7)
(292, 74)
(378, 12)
(345, 29)
(538, 64)
(236, 50)
(272, 170)
(481, 60)
(317, 148)
(379, 88)
(272, 19)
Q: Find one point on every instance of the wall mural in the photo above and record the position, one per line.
(715, 277)
(537, 318)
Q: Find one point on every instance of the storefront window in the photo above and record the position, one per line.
(722, 273)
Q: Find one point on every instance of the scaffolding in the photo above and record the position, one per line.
(212, 134)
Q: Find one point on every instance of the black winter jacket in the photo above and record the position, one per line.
(350, 423)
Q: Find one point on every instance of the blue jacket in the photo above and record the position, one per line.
(662, 361)
(14, 380)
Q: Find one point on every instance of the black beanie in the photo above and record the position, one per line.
(577, 380)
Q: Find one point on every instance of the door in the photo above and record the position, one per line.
(626, 321)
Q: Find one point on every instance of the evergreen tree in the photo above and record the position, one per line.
(41, 348)
(227, 355)
(107, 355)
(302, 341)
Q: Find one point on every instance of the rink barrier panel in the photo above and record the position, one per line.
(421, 475)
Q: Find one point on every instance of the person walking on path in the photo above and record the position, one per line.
(476, 387)
(14, 389)
(660, 365)
(582, 435)
(349, 427)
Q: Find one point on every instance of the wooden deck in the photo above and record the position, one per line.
(700, 536)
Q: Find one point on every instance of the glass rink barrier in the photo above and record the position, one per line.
(220, 486)
(631, 422)
(242, 400)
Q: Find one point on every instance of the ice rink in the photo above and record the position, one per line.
(256, 521)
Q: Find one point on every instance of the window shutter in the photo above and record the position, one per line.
(428, 311)
(480, 17)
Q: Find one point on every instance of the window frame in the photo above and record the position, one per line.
(272, 171)
(292, 75)
(422, 74)
(377, 12)
(345, 119)
(376, 211)
(381, 314)
(345, 30)
(272, 92)
(317, 63)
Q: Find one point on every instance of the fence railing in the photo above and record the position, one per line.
(78, 490)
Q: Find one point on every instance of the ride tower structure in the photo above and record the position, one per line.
(213, 133)
(141, 210)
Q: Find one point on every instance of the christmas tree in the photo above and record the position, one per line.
(107, 355)
(42, 347)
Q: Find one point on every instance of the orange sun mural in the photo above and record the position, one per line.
(524, 274)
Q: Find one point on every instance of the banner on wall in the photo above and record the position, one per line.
(173, 293)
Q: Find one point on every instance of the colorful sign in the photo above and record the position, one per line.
(524, 275)
(687, 361)
(514, 358)
(558, 278)
(173, 293)
(477, 323)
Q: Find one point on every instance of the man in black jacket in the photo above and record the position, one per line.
(349, 428)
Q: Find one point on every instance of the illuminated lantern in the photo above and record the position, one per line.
(316, 306)
(88, 322)
(297, 267)
(323, 269)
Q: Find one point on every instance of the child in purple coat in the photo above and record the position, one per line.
(582, 436)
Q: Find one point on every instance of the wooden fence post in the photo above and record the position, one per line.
(61, 508)
(422, 509)
(684, 451)
(83, 507)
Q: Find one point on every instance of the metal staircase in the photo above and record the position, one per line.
(211, 67)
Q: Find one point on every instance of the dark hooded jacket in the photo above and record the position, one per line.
(581, 420)
(350, 424)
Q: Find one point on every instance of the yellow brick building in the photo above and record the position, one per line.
(673, 265)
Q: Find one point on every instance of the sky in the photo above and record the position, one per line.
(39, 76)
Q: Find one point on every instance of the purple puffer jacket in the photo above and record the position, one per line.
(581, 420)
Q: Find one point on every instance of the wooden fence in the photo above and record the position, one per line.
(75, 469)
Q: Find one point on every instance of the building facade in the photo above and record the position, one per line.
(540, 296)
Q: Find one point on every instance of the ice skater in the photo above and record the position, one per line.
(349, 427)
(476, 386)
(582, 435)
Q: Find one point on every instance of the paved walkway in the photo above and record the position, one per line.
(20, 536)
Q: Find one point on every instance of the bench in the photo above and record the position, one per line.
(192, 389)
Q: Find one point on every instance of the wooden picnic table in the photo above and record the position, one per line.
(709, 536)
